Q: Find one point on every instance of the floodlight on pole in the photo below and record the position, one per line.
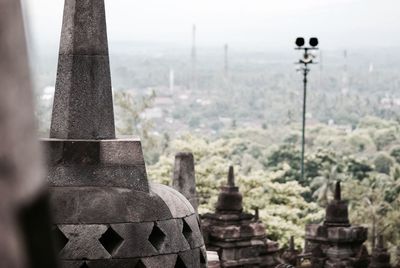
(306, 59)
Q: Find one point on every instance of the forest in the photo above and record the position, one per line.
(249, 116)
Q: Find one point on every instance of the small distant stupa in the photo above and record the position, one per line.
(239, 238)
(380, 257)
(336, 243)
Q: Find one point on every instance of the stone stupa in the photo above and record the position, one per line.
(336, 243)
(106, 212)
(239, 238)
(380, 257)
(291, 255)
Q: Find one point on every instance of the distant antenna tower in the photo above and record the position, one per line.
(193, 79)
(345, 79)
(171, 80)
(226, 65)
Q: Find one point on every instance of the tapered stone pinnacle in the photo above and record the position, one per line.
(338, 195)
(83, 105)
(379, 242)
(256, 214)
(231, 177)
(291, 243)
(184, 177)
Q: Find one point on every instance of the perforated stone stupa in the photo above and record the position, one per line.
(336, 243)
(238, 237)
(106, 212)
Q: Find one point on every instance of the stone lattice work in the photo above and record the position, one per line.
(239, 238)
(336, 243)
(106, 212)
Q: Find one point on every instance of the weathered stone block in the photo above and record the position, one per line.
(171, 198)
(83, 242)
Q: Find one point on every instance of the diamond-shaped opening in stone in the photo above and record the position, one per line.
(140, 264)
(84, 265)
(157, 237)
(202, 258)
(179, 263)
(60, 240)
(111, 241)
(186, 230)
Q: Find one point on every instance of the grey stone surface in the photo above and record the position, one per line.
(190, 259)
(84, 28)
(184, 180)
(83, 107)
(117, 163)
(213, 259)
(109, 263)
(132, 177)
(106, 152)
(83, 242)
(92, 205)
(195, 239)
(172, 197)
(162, 261)
(174, 241)
(136, 243)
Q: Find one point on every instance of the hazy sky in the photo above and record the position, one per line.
(241, 23)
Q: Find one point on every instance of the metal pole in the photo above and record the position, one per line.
(305, 61)
(305, 71)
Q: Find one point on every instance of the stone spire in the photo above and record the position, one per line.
(184, 179)
(336, 243)
(231, 177)
(380, 257)
(290, 255)
(83, 105)
(338, 192)
(230, 199)
(337, 210)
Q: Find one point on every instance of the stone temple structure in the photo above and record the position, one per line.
(380, 257)
(290, 255)
(24, 218)
(238, 237)
(106, 212)
(397, 265)
(184, 180)
(336, 243)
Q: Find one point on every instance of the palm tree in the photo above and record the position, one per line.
(325, 184)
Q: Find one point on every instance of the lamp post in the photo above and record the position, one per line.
(306, 59)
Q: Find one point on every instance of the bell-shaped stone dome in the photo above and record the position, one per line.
(106, 212)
